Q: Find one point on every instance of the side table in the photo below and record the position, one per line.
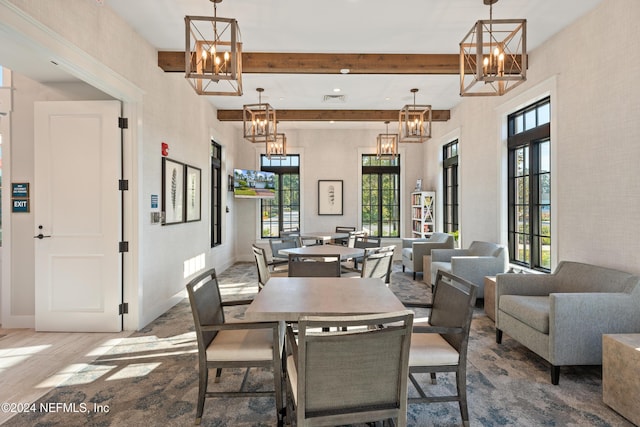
(490, 297)
(426, 269)
(621, 374)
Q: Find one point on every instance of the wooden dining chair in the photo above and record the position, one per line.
(364, 242)
(314, 265)
(286, 242)
(378, 264)
(231, 345)
(343, 240)
(352, 376)
(260, 256)
(441, 344)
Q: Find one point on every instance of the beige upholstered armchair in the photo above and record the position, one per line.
(414, 249)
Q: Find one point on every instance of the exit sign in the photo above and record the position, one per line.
(20, 205)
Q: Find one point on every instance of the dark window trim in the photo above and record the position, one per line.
(216, 194)
(280, 171)
(380, 171)
(450, 163)
(531, 139)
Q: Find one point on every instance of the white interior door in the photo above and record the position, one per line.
(76, 207)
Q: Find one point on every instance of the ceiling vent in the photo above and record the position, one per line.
(334, 99)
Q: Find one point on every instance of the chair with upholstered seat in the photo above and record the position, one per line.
(441, 344)
(364, 242)
(342, 241)
(231, 345)
(376, 263)
(314, 265)
(286, 242)
(262, 265)
(348, 376)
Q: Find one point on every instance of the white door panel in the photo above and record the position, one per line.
(77, 204)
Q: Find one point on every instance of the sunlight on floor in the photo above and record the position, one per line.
(134, 370)
(237, 289)
(132, 345)
(12, 356)
(77, 373)
(114, 354)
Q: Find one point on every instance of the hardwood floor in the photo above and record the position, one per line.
(32, 363)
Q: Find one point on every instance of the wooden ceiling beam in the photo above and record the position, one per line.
(335, 115)
(330, 63)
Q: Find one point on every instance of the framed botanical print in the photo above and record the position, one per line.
(330, 197)
(193, 194)
(172, 191)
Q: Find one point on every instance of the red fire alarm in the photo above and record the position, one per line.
(165, 149)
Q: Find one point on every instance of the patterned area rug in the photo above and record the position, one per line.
(151, 378)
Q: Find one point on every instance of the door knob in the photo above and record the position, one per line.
(40, 236)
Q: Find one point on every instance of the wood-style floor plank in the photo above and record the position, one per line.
(32, 363)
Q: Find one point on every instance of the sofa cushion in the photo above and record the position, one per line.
(444, 266)
(530, 310)
(407, 253)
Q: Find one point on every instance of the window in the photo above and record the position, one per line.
(530, 186)
(450, 186)
(216, 194)
(283, 212)
(381, 196)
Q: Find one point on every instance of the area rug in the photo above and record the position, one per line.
(151, 379)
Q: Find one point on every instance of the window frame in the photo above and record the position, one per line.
(529, 139)
(381, 167)
(216, 194)
(280, 172)
(450, 162)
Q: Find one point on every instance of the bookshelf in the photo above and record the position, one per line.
(423, 213)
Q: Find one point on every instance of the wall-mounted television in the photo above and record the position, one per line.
(250, 184)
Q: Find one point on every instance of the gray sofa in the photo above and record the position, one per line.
(562, 316)
(479, 260)
(414, 249)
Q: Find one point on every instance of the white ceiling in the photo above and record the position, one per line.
(344, 26)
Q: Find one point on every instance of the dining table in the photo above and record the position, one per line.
(345, 252)
(322, 237)
(286, 299)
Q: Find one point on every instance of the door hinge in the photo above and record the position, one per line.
(123, 247)
(123, 123)
(123, 308)
(123, 184)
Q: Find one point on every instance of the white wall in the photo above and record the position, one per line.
(326, 155)
(591, 69)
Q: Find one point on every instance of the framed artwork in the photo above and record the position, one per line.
(193, 194)
(172, 191)
(330, 197)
